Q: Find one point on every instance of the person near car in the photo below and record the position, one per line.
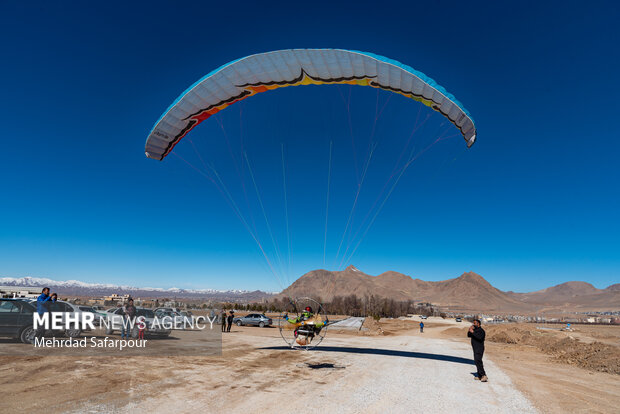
(43, 302)
(223, 320)
(231, 316)
(421, 327)
(477, 335)
(129, 313)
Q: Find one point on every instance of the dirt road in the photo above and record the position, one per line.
(387, 367)
(350, 374)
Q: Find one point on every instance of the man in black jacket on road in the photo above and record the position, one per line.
(477, 334)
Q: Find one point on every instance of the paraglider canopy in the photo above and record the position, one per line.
(263, 72)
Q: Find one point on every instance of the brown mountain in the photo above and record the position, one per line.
(471, 291)
(560, 293)
(468, 291)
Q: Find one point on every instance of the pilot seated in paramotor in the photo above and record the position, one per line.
(307, 326)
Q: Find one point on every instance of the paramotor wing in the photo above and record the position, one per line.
(263, 72)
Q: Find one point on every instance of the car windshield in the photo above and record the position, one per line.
(147, 313)
(87, 309)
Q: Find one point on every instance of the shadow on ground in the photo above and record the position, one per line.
(386, 352)
(323, 366)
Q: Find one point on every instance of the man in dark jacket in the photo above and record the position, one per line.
(477, 334)
(231, 316)
(129, 313)
(43, 302)
(223, 318)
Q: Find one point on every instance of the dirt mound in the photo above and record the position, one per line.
(454, 332)
(399, 326)
(371, 327)
(561, 346)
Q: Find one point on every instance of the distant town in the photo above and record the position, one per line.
(424, 308)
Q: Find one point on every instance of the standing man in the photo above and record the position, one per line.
(223, 319)
(231, 316)
(129, 313)
(43, 302)
(421, 327)
(477, 334)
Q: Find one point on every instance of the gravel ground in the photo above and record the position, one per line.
(416, 375)
(412, 373)
(392, 374)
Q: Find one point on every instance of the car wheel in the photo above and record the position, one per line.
(73, 333)
(27, 335)
(239, 323)
(261, 324)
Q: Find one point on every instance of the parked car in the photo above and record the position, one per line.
(166, 309)
(423, 317)
(116, 319)
(16, 319)
(63, 308)
(254, 319)
(459, 320)
(98, 314)
(170, 317)
(187, 314)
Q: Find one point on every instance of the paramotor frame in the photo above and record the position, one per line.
(300, 331)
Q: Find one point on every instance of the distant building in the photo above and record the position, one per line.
(115, 299)
(571, 320)
(20, 292)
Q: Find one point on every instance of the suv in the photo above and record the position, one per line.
(255, 319)
(16, 319)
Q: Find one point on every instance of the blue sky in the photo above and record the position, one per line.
(534, 203)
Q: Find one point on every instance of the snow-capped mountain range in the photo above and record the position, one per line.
(79, 288)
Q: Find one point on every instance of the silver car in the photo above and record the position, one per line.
(116, 319)
(254, 319)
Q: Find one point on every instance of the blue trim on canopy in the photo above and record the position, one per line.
(193, 85)
(419, 74)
